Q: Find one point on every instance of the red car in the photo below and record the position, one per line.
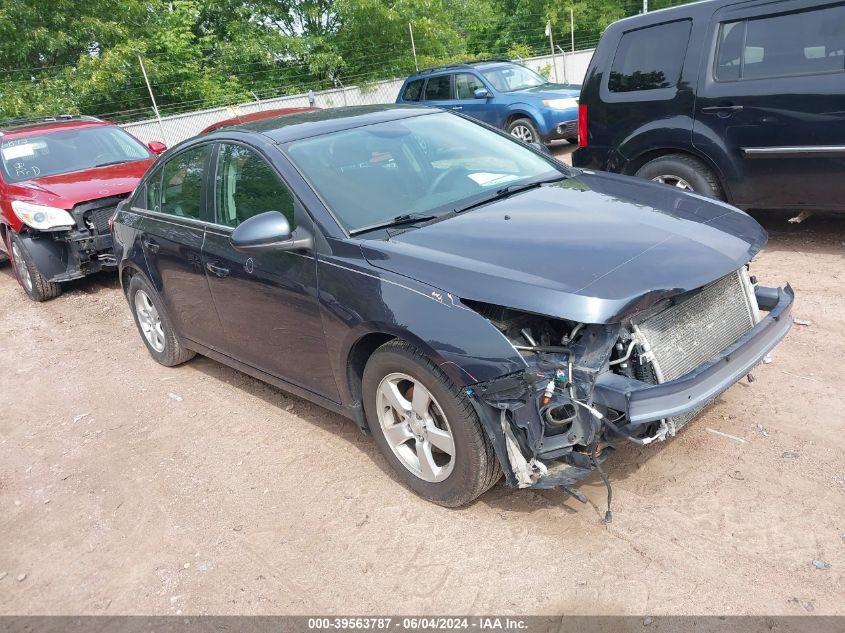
(255, 116)
(60, 181)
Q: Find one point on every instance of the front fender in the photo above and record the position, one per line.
(528, 111)
(357, 300)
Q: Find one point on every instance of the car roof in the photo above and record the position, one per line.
(678, 11)
(240, 119)
(22, 127)
(481, 64)
(293, 127)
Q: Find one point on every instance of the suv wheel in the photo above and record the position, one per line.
(524, 130)
(28, 275)
(683, 172)
(154, 324)
(426, 428)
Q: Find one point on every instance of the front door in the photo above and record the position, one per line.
(266, 299)
(465, 102)
(771, 97)
(172, 228)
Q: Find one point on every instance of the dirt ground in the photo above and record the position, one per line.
(127, 487)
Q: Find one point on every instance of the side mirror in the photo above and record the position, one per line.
(482, 93)
(157, 147)
(543, 148)
(269, 230)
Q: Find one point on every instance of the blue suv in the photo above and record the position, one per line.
(503, 94)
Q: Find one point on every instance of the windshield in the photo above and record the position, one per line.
(430, 164)
(513, 77)
(63, 151)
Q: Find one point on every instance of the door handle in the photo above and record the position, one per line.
(457, 107)
(214, 269)
(726, 110)
(151, 244)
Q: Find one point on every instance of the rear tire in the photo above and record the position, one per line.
(154, 325)
(524, 130)
(395, 375)
(34, 284)
(684, 172)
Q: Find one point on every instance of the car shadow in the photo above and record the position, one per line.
(821, 233)
(625, 462)
(306, 411)
(93, 284)
(88, 285)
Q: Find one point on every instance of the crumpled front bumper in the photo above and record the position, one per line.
(643, 403)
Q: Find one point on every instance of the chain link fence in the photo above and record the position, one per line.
(562, 68)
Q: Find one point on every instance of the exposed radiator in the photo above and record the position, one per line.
(97, 213)
(696, 330)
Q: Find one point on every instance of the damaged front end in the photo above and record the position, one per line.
(588, 387)
(83, 249)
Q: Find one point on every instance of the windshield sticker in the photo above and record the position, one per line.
(18, 151)
(485, 178)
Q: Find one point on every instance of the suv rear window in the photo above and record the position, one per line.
(412, 90)
(801, 43)
(438, 88)
(650, 58)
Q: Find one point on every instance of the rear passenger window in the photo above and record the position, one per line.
(181, 193)
(802, 43)
(438, 88)
(650, 58)
(412, 90)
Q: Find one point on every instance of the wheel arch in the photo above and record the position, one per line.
(633, 165)
(356, 360)
(521, 112)
(365, 345)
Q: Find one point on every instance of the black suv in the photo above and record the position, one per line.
(743, 101)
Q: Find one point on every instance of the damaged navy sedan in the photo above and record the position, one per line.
(476, 305)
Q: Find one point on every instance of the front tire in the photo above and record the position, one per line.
(524, 130)
(34, 284)
(684, 172)
(154, 325)
(426, 427)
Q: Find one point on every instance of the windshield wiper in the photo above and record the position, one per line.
(399, 220)
(509, 190)
(113, 162)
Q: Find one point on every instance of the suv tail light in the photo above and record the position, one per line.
(582, 126)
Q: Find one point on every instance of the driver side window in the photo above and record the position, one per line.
(247, 185)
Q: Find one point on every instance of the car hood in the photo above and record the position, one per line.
(595, 248)
(551, 91)
(67, 190)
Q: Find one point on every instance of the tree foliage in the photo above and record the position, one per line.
(83, 55)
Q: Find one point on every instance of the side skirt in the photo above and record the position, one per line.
(353, 413)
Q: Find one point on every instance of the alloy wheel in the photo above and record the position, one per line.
(415, 427)
(523, 133)
(149, 320)
(21, 267)
(674, 181)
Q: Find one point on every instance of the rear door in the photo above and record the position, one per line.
(438, 91)
(771, 101)
(171, 231)
(267, 300)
